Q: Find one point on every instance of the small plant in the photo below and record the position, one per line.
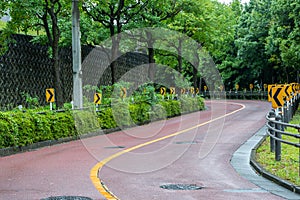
(32, 102)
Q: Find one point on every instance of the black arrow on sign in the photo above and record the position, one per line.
(275, 97)
(286, 91)
(294, 88)
(270, 92)
(98, 98)
(51, 95)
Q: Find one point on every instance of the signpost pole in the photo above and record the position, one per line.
(76, 50)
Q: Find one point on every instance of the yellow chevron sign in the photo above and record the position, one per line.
(50, 96)
(270, 96)
(288, 92)
(123, 93)
(172, 90)
(97, 98)
(278, 95)
(192, 90)
(163, 91)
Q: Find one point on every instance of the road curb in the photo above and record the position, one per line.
(264, 173)
(14, 150)
(243, 161)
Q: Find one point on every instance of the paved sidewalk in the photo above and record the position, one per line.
(241, 163)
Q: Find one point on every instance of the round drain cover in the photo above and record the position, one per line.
(181, 187)
(67, 198)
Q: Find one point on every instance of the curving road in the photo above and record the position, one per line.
(193, 149)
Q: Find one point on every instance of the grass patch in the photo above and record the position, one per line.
(288, 167)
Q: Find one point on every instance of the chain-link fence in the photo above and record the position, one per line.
(26, 68)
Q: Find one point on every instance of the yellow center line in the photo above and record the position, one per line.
(99, 185)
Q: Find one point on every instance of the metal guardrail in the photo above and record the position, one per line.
(277, 124)
(243, 95)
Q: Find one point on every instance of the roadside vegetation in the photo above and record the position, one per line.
(255, 43)
(2, 25)
(21, 127)
(288, 167)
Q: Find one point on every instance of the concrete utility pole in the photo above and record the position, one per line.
(76, 51)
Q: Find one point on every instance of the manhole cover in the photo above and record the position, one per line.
(115, 147)
(67, 198)
(181, 187)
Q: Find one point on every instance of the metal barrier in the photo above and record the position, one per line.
(243, 95)
(277, 123)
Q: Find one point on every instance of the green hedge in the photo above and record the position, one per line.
(23, 128)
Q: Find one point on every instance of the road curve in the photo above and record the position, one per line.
(142, 172)
(198, 153)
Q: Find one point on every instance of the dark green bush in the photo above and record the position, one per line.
(8, 130)
(189, 104)
(19, 128)
(24, 128)
(157, 112)
(85, 122)
(106, 118)
(140, 113)
(121, 114)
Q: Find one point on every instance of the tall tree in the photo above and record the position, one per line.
(153, 16)
(283, 40)
(225, 49)
(114, 15)
(37, 15)
(252, 33)
(200, 21)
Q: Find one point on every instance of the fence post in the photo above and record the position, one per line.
(291, 104)
(278, 118)
(285, 112)
(272, 141)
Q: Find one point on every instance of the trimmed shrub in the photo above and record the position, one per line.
(19, 128)
(140, 113)
(106, 118)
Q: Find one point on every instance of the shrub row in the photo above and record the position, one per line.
(19, 128)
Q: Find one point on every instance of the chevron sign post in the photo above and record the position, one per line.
(278, 95)
(50, 96)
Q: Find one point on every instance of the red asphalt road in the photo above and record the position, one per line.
(198, 156)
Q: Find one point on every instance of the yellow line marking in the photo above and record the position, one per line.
(99, 185)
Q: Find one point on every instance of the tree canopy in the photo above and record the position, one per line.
(256, 43)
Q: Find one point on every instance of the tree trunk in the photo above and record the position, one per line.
(179, 55)
(151, 70)
(196, 63)
(114, 54)
(57, 77)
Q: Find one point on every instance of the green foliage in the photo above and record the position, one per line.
(85, 122)
(145, 94)
(190, 104)
(288, 167)
(32, 102)
(106, 118)
(2, 25)
(21, 128)
(171, 107)
(9, 132)
(140, 113)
